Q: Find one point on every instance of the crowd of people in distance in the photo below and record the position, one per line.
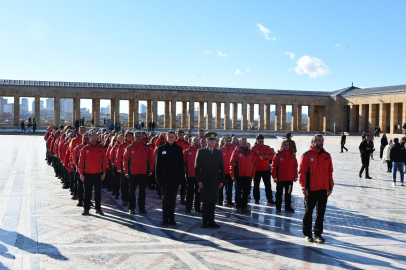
(31, 125)
(206, 168)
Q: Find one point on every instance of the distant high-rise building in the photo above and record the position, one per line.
(41, 104)
(143, 108)
(105, 110)
(67, 105)
(49, 104)
(24, 102)
(3, 101)
(9, 108)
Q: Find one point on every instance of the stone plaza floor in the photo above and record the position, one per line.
(42, 228)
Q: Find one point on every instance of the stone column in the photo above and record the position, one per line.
(184, 113)
(191, 115)
(226, 115)
(200, 121)
(362, 118)
(250, 114)
(173, 115)
(267, 116)
(116, 111)
(149, 112)
(76, 109)
(37, 113)
(403, 114)
(96, 111)
(209, 116)
(310, 117)
(394, 115)
(136, 110)
(155, 113)
(218, 115)
(294, 120)
(324, 117)
(299, 117)
(353, 118)
(277, 117)
(131, 113)
(16, 115)
(382, 116)
(234, 115)
(57, 110)
(166, 114)
(283, 117)
(261, 116)
(244, 125)
(112, 108)
(372, 118)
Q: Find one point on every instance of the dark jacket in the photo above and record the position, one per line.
(363, 148)
(169, 167)
(384, 142)
(209, 169)
(343, 139)
(397, 153)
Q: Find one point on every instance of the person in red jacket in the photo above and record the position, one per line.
(203, 143)
(243, 174)
(284, 173)
(180, 140)
(151, 177)
(93, 173)
(263, 154)
(227, 150)
(129, 137)
(75, 159)
(116, 142)
(69, 167)
(189, 157)
(136, 160)
(316, 179)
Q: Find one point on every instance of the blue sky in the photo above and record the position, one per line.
(298, 45)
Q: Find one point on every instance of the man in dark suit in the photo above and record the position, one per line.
(343, 141)
(209, 171)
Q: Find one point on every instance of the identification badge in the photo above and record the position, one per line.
(163, 152)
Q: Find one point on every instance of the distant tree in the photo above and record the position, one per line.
(5, 114)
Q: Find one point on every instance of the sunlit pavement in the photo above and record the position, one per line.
(42, 228)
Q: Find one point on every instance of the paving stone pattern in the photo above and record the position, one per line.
(42, 228)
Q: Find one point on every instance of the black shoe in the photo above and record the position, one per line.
(360, 175)
(164, 223)
(220, 203)
(85, 213)
(91, 204)
(346, 150)
(319, 239)
(214, 225)
(256, 201)
(368, 177)
(278, 210)
(71, 193)
(74, 197)
(143, 212)
(125, 203)
(80, 204)
(132, 212)
(198, 210)
(289, 209)
(271, 201)
(172, 222)
(65, 187)
(309, 239)
(203, 226)
(117, 197)
(188, 211)
(341, 152)
(100, 212)
(230, 203)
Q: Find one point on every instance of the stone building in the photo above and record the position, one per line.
(351, 109)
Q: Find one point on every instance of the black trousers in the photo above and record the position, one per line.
(73, 186)
(183, 187)
(365, 165)
(242, 190)
(316, 199)
(343, 147)
(229, 189)
(381, 151)
(92, 180)
(124, 186)
(79, 187)
(141, 181)
(192, 193)
(208, 212)
(280, 187)
(169, 193)
(116, 182)
(266, 177)
(389, 164)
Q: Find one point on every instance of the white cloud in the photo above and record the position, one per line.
(291, 55)
(337, 45)
(222, 54)
(206, 52)
(265, 32)
(248, 70)
(238, 72)
(312, 66)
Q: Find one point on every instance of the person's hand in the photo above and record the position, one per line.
(82, 178)
(329, 192)
(220, 185)
(368, 148)
(294, 180)
(305, 192)
(71, 165)
(149, 174)
(275, 180)
(264, 156)
(200, 185)
(119, 171)
(127, 176)
(102, 177)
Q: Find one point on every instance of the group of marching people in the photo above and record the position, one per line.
(123, 161)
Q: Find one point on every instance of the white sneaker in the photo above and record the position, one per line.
(394, 184)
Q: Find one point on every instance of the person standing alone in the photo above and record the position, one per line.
(366, 148)
(343, 140)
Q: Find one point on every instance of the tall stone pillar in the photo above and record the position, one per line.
(353, 118)
(299, 117)
(283, 117)
(37, 114)
(184, 113)
(310, 117)
(155, 112)
(166, 114)
(173, 115)
(403, 114)
(57, 110)
(191, 114)
(394, 115)
(149, 112)
(136, 110)
(131, 113)
(226, 115)
(209, 116)
(17, 111)
(261, 116)
(382, 116)
(200, 121)
(117, 111)
(234, 107)
(294, 120)
(112, 108)
(277, 117)
(267, 116)
(244, 124)
(362, 118)
(372, 118)
(96, 111)
(250, 113)
(76, 109)
(218, 115)
(324, 118)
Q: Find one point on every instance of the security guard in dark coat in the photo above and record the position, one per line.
(209, 170)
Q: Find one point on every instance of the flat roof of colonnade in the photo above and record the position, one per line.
(348, 91)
